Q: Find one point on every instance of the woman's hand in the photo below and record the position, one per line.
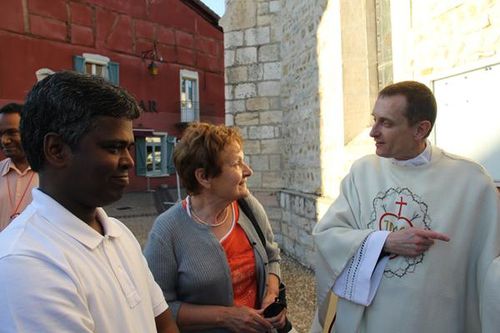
(277, 321)
(272, 290)
(269, 299)
(245, 320)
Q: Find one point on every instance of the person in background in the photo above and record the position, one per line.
(204, 252)
(407, 244)
(65, 266)
(16, 177)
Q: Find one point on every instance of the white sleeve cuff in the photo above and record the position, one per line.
(361, 277)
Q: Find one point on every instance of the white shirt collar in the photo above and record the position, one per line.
(422, 159)
(63, 219)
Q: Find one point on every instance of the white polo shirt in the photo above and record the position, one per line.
(57, 274)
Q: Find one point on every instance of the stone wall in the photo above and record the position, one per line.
(384, 43)
(300, 97)
(301, 126)
(253, 71)
(359, 59)
(299, 217)
(456, 34)
(253, 89)
(435, 38)
(272, 96)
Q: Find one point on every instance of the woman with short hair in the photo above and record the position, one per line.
(215, 272)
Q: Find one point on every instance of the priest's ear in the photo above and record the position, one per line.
(57, 153)
(422, 130)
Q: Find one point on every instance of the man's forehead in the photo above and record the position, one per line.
(106, 127)
(10, 119)
(390, 103)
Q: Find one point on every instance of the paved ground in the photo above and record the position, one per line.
(138, 211)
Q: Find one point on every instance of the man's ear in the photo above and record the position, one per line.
(57, 152)
(423, 129)
(201, 177)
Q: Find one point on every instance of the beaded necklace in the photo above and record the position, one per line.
(198, 219)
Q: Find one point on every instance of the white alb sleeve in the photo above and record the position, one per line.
(361, 277)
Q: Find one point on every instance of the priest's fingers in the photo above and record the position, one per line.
(411, 241)
(433, 235)
(425, 242)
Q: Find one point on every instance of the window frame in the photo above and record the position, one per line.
(95, 60)
(189, 114)
(166, 145)
(156, 147)
(110, 72)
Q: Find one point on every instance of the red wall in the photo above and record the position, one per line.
(39, 33)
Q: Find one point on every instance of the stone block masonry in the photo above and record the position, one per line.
(252, 78)
(271, 96)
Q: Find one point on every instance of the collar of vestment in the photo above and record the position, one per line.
(422, 159)
(64, 220)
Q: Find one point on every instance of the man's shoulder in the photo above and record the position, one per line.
(459, 161)
(366, 161)
(470, 171)
(458, 158)
(125, 231)
(35, 235)
(21, 237)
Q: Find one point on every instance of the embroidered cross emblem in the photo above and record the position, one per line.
(401, 203)
(392, 222)
(397, 209)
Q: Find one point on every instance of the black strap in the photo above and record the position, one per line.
(248, 212)
(245, 208)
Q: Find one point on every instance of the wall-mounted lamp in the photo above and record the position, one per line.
(154, 57)
(153, 68)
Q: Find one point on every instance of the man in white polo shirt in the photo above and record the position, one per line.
(65, 266)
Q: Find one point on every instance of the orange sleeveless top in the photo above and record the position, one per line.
(241, 260)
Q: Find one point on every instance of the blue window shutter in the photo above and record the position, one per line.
(140, 156)
(79, 64)
(114, 72)
(170, 152)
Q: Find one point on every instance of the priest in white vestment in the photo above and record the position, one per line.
(407, 244)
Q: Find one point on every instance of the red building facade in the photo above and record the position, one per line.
(124, 41)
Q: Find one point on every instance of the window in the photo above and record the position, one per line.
(190, 107)
(458, 97)
(98, 65)
(153, 155)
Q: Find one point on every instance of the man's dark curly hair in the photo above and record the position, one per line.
(67, 103)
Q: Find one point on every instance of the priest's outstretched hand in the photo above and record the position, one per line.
(412, 241)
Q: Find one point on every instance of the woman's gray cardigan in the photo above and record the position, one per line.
(190, 265)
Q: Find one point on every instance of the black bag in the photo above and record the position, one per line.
(281, 299)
